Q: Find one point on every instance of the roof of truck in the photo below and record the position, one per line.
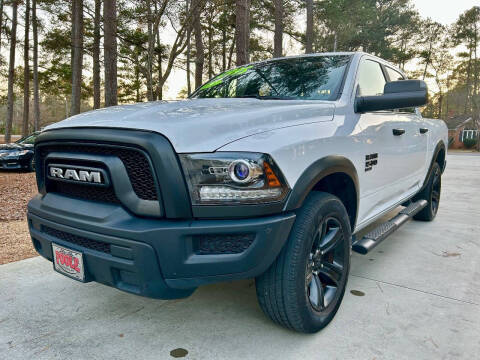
(348, 53)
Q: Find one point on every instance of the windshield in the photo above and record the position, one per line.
(307, 78)
(27, 140)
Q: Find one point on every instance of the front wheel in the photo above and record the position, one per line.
(304, 287)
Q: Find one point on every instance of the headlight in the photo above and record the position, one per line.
(14, 153)
(229, 178)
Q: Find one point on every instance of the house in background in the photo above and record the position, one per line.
(459, 128)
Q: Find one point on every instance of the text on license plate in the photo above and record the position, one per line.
(68, 262)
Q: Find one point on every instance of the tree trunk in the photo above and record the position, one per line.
(96, 54)
(278, 36)
(242, 26)
(110, 49)
(200, 52)
(1, 21)
(151, 44)
(159, 94)
(137, 77)
(247, 25)
(26, 71)
(36, 85)
(210, 49)
(309, 32)
(230, 54)
(77, 55)
(189, 51)
(11, 73)
(224, 39)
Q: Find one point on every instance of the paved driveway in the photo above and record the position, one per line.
(421, 301)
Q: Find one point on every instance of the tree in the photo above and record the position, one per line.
(242, 30)
(199, 49)
(309, 30)
(96, 54)
(278, 36)
(26, 70)
(11, 72)
(1, 20)
(77, 55)
(466, 31)
(110, 49)
(433, 35)
(189, 51)
(36, 85)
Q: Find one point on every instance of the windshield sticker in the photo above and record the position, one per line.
(219, 79)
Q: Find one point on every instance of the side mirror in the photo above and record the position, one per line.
(396, 95)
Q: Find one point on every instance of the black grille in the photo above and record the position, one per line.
(222, 244)
(87, 192)
(135, 161)
(77, 240)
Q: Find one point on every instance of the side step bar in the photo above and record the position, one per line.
(376, 236)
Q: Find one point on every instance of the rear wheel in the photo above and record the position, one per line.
(431, 193)
(304, 287)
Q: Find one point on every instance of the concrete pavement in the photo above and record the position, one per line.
(421, 300)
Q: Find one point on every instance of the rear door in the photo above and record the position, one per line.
(386, 146)
(416, 137)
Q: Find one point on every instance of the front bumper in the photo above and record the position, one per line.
(156, 258)
(14, 163)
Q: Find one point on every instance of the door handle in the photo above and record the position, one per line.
(423, 130)
(398, 132)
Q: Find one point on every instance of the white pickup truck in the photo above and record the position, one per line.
(267, 171)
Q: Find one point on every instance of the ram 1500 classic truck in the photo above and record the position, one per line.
(268, 171)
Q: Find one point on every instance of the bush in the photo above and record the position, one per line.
(469, 143)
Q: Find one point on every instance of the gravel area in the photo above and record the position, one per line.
(16, 189)
(15, 243)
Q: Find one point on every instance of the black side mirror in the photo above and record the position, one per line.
(396, 95)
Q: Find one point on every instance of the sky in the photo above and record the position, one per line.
(443, 11)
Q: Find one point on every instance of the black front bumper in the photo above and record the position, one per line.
(22, 162)
(156, 258)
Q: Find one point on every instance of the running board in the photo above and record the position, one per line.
(376, 236)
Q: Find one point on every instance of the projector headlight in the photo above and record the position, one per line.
(233, 178)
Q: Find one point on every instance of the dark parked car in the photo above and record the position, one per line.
(19, 155)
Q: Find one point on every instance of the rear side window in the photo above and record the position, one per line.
(371, 79)
(394, 75)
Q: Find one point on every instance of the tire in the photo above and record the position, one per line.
(31, 165)
(431, 193)
(289, 291)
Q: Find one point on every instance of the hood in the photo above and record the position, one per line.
(14, 146)
(204, 125)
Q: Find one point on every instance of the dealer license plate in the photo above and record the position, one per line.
(68, 262)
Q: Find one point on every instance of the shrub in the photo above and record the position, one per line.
(469, 143)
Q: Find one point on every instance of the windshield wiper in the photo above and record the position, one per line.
(260, 97)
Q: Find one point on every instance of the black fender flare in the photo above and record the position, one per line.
(317, 171)
(440, 146)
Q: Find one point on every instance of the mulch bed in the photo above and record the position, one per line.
(16, 189)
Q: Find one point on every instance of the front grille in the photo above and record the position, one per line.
(77, 240)
(87, 192)
(222, 244)
(136, 163)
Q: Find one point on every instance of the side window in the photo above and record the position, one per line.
(371, 79)
(394, 75)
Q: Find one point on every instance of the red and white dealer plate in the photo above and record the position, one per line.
(68, 262)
